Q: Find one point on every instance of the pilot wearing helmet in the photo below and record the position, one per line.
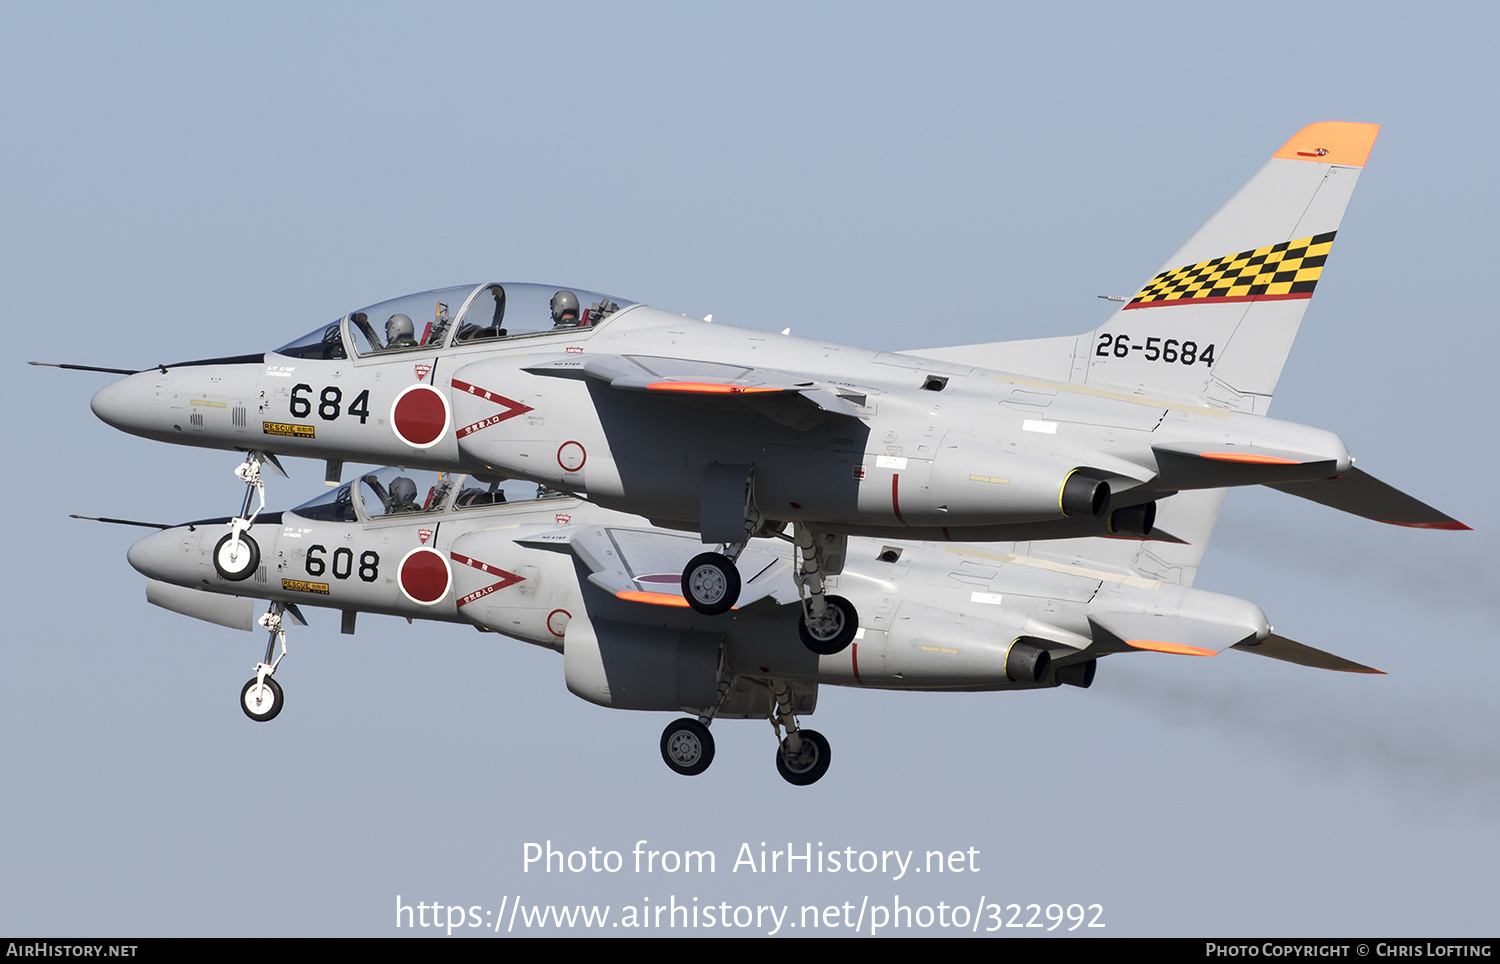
(565, 310)
(400, 332)
(403, 496)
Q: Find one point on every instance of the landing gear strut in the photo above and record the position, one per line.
(828, 622)
(262, 698)
(711, 583)
(803, 755)
(807, 765)
(237, 556)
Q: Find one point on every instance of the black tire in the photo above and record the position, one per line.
(250, 563)
(846, 624)
(812, 763)
(687, 747)
(263, 714)
(711, 584)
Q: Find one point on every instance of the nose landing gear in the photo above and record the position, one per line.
(237, 555)
(262, 697)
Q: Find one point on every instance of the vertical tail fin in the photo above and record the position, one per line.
(1217, 322)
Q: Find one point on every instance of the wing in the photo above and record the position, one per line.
(784, 397)
(645, 565)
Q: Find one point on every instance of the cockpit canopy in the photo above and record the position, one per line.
(446, 317)
(392, 492)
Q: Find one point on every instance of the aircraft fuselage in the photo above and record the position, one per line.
(862, 442)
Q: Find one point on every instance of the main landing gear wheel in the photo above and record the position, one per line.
(834, 630)
(687, 747)
(808, 765)
(711, 584)
(236, 562)
(262, 703)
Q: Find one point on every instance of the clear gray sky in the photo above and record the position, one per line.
(191, 180)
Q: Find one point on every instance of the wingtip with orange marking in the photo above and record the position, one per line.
(1332, 142)
(1159, 646)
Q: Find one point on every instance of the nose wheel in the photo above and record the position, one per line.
(261, 699)
(711, 583)
(236, 556)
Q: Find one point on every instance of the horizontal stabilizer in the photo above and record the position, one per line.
(1361, 494)
(1219, 623)
(1201, 466)
(1288, 651)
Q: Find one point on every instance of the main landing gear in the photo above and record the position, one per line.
(802, 756)
(262, 698)
(687, 747)
(711, 584)
(828, 622)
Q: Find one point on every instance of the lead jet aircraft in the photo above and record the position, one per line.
(734, 433)
(603, 589)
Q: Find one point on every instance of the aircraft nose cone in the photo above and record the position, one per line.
(125, 404)
(142, 555)
(167, 556)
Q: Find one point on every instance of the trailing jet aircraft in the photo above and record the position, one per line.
(736, 434)
(603, 588)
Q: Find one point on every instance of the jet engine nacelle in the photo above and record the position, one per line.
(929, 648)
(969, 482)
(633, 667)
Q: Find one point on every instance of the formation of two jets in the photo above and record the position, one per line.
(716, 520)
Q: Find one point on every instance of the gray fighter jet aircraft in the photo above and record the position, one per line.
(735, 434)
(604, 589)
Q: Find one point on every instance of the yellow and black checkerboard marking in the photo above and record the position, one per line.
(1286, 270)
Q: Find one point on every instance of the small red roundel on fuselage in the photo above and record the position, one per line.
(424, 576)
(420, 416)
